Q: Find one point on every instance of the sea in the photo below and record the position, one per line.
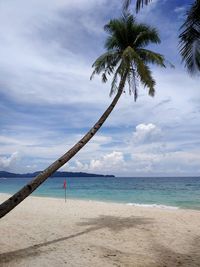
(165, 192)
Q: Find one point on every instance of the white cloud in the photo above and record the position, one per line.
(166, 163)
(7, 162)
(109, 163)
(146, 133)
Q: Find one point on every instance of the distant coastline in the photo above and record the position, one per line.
(4, 174)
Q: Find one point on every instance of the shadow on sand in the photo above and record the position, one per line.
(164, 257)
(169, 258)
(112, 223)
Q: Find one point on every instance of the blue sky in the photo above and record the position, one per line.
(47, 101)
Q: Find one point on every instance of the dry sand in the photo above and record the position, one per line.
(49, 232)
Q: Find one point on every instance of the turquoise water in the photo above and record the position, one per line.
(171, 192)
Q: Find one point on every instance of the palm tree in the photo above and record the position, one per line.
(189, 38)
(126, 58)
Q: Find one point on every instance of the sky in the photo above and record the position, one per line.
(47, 101)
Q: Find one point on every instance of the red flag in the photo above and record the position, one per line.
(65, 184)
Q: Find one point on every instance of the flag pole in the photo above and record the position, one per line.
(65, 187)
(65, 191)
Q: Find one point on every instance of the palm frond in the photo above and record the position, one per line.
(149, 56)
(126, 4)
(132, 82)
(143, 70)
(114, 86)
(114, 25)
(121, 70)
(141, 3)
(119, 32)
(146, 35)
(105, 63)
(189, 39)
(116, 31)
(112, 43)
(146, 77)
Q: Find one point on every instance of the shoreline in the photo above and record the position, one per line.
(133, 205)
(142, 205)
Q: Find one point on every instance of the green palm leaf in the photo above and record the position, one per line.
(139, 4)
(190, 39)
(149, 56)
(127, 55)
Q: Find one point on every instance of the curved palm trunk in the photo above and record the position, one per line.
(18, 197)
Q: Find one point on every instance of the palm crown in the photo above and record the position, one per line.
(126, 55)
(189, 38)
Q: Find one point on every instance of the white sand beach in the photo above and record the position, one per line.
(49, 232)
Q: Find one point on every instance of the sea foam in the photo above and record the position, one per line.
(153, 206)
